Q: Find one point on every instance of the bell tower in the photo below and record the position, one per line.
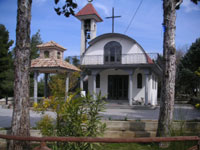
(88, 17)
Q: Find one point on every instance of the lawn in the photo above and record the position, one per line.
(123, 146)
(135, 146)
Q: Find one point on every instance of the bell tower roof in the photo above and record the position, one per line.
(88, 12)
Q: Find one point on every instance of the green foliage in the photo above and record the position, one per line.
(198, 72)
(67, 9)
(76, 116)
(75, 76)
(75, 60)
(128, 146)
(57, 85)
(187, 81)
(46, 124)
(191, 59)
(35, 40)
(41, 88)
(6, 63)
(150, 146)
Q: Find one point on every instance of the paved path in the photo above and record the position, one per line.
(182, 112)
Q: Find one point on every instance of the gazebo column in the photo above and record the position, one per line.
(45, 84)
(67, 85)
(35, 86)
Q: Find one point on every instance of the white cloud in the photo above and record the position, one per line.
(189, 6)
(102, 7)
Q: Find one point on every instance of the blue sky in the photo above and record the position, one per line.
(146, 27)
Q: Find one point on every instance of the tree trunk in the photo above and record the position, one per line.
(21, 118)
(169, 54)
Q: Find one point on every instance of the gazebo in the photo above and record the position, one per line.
(50, 61)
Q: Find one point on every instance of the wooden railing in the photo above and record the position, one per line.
(43, 140)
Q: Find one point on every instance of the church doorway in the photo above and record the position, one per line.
(118, 87)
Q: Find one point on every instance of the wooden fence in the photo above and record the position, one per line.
(43, 140)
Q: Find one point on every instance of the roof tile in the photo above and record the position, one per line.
(88, 10)
(51, 44)
(51, 63)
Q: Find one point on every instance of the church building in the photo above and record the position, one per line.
(117, 65)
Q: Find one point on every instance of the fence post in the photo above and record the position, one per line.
(42, 146)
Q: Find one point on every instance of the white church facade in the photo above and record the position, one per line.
(117, 65)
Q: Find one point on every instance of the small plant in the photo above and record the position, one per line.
(76, 116)
(46, 125)
(197, 106)
(126, 118)
(138, 120)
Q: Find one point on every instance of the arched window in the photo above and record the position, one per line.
(58, 55)
(139, 80)
(46, 54)
(112, 52)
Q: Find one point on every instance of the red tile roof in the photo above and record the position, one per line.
(51, 44)
(149, 60)
(52, 63)
(89, 10)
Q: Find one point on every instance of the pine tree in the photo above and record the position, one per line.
(169, 69)
(35, 40)
(6, 63)
(21, 116)
(187, 76)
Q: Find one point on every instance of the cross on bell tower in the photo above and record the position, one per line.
(113, 17)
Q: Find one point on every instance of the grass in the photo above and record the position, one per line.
(152, 146)
(135, 146)
(125, 146)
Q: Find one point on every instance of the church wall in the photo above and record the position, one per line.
(138, 94)
(104, 81)
(154, 89)
(128, 49)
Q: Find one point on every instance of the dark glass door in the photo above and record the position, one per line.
(118, 87)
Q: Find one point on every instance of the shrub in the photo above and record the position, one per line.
(76, 116)
(197, 106)
(46, 125)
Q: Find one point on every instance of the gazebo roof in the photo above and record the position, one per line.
(52, 65)
(51, 44)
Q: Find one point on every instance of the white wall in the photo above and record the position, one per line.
(137, 94)
(153, 89)
(104, 80)
(128, 47)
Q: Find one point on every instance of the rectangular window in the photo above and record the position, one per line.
(97, 81)
(139, 80)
